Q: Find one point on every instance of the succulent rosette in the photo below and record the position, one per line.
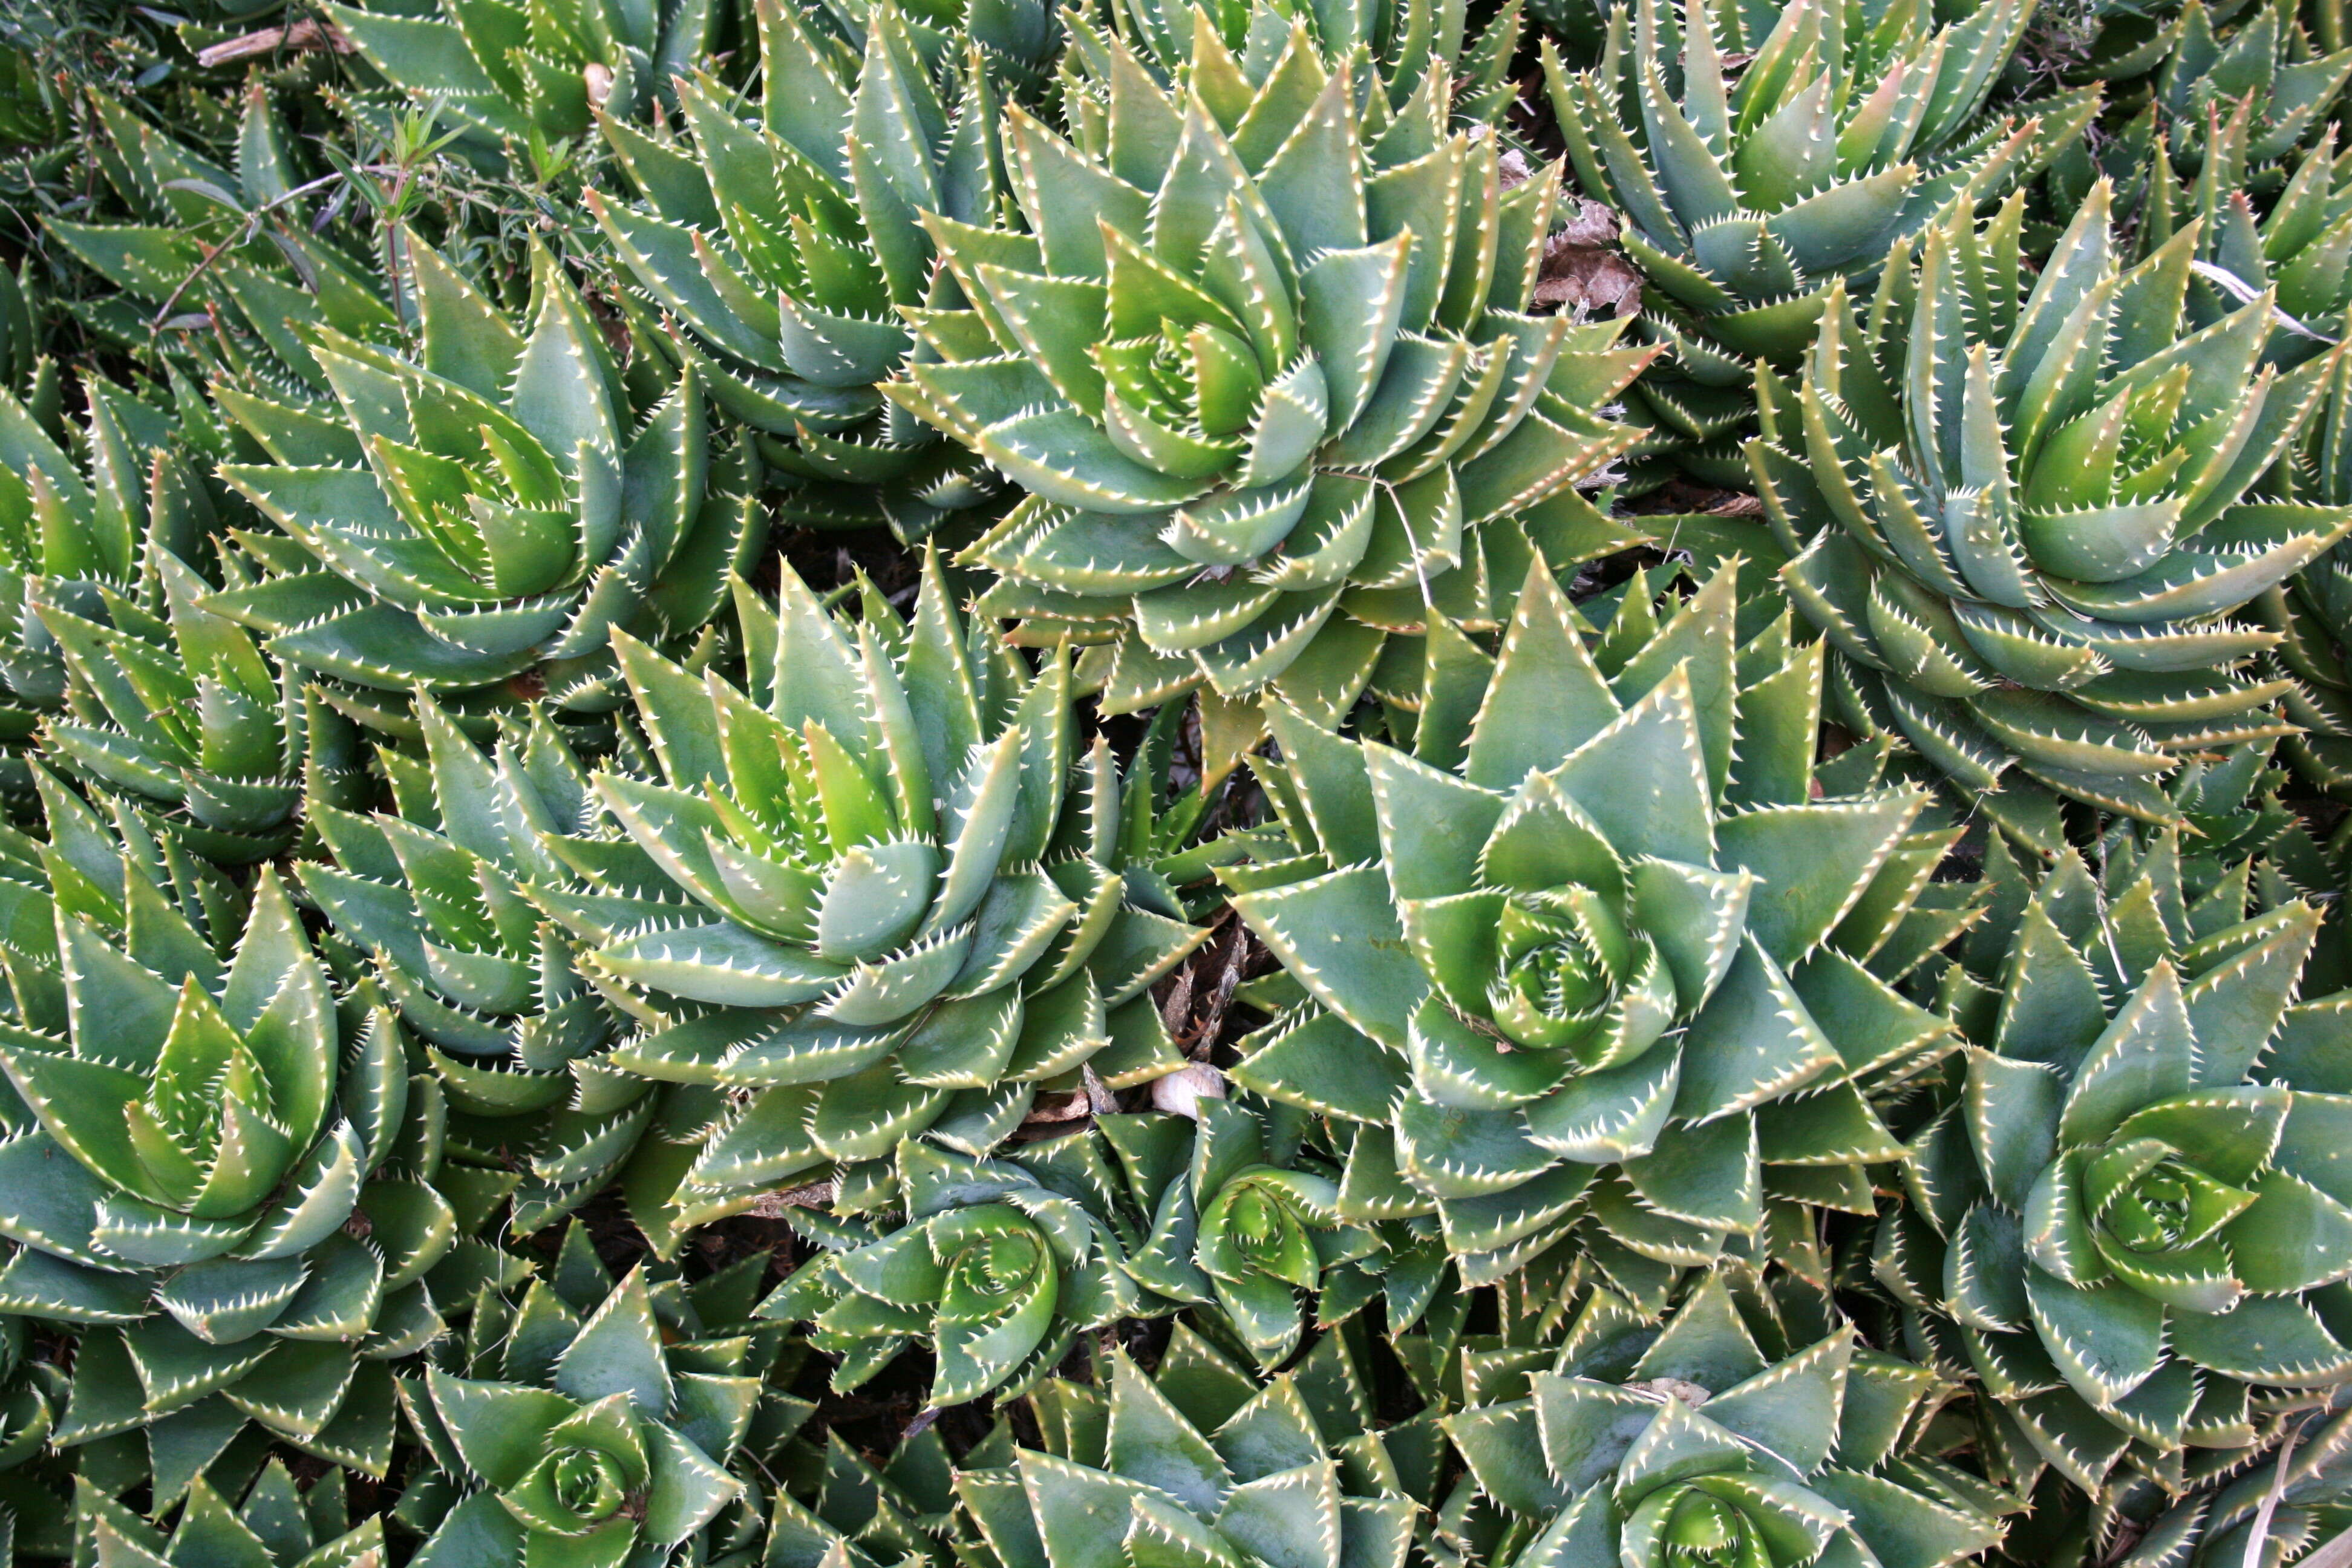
(1754, 162)
(1579, 953)
(1713, 1455)
(1404, 41)
(2277, 1502)
(1238, 1224)
(995, 1271)
(1204, 1461)
(908, 909)
(2296, 247)
(786, 244)
(165, 222)
(514, 79)
(2292, 83)
(183, 713)
(438, 895)
(72, 533)
(593, 1451)
(493, 506)
(201, 1140)
(2129, 1221)
(2022, 511)
(1271, 396)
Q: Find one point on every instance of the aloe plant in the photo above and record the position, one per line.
(495, 505)
(1237, 473)
(1712, 1454)
(221, 245)
(182, 712)
(593, 1450)
(2312, 611)
(1745, 194)
(909, 904)
(522, 78)
(731, 1374)
(2297, 249)
(2126, 1220)
(437, 895)
(1576, 953)
(1238, 1224)
(787, 242)
(1204, 1460)
(74, 533)
(1405, 42)
(2267, 60)
(2023, 514)
(996, 1272)
(196, 1136)
(274, 1524)
(2278, 1504)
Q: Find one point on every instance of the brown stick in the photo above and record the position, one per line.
(307, 34)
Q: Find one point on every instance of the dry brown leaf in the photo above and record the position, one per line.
(1583, 272)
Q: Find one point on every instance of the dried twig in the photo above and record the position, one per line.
(310, 33)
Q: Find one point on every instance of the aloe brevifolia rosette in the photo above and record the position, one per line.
(438, 895)
(593, 1451)
(84, 869)
(1728, 1461)
(73, 533)
(1578, 952)
(523, 77)
(788, 245)
(910, 904)
(1262, 362)
(2223, 1522)
(996, 1271)
(2023, 514)
(2312, 611)
(220, 245)
(1563, 1314)
(728, 1380)
(1238, 1223)
(2130, 1242)
(1745, 197)
(182, 711)
(2193, 63)
(204, 1138)
(493, 506)
(1201, 1461)
(2267, 58)
(1404, 41)
(2298, 249)
(274, 1525)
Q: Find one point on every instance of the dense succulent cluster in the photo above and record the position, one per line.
(961, 783)
(2021, 513)
(1747, 189)
(494, 506)
(1260, 362)
(787, 248)
(514, 78)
